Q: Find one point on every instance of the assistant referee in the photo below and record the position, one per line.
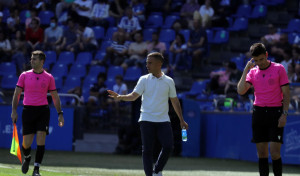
(271, 104)
(35, 83)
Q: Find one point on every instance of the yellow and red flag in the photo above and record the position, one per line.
(15, 147)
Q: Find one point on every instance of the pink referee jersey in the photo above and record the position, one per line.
(267, 84)
(36, 87)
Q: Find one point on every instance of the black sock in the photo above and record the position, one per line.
(263, 165)
(39, 154)
(277, 167)
(26, 152)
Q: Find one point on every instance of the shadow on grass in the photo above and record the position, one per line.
(110, 161)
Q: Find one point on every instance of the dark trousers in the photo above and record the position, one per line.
(149, 132)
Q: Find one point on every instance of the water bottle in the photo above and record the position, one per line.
(184, 135)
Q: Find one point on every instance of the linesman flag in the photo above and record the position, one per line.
(15, 147)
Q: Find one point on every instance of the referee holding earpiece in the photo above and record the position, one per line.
(270, 109)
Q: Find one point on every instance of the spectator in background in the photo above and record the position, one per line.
(271, 38)
(278, 49)
(77, 91)
(5, 48)
(129, 24)
(156, 45)
(3, 26)
(98, 95)
(53, 35)
(34, 36)
(219, 79)
(121, 88)
(116, 9)
(88, 41)
(197, 44)
(81, 10)
(70, 38)
(178, 52)
(137, 52)
(231, 85)
(138, 9)
(287, 55)
(32, 15)
(118, 51)
(187, 13)
(13, 22)
(19, 51)
(100, 13)
(206, 12)
(61, 7)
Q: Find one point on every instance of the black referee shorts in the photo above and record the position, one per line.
(265, 124)
(35, 118)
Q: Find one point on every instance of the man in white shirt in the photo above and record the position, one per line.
(156, 88)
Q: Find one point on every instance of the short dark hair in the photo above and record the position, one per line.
(54, 18)
(40, 54)
(157, 55)
(257, 49)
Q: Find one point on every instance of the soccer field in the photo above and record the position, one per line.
(70, 163)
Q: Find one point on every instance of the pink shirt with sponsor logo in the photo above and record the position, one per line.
(267, 84)
(36, 87)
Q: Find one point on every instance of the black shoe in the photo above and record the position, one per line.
(25, 165)
(36, 173)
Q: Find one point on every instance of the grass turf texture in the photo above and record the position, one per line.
(58, 163)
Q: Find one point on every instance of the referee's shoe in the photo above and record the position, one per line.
(36, 173)
(25, 165)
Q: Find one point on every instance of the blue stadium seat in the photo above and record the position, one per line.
(197, 88)
(50, 57)
(259, 11)
(58, 82)
(23, 15)
(100, 55)
(99, 32)
(113, 71)
(169, 20)
(240, 24)
(110, 83)
(84, 58)
(6, 14)
(147, 33)
(105, 44)
(71, 82)
(186, 34)
(96, 69)
(45, 17)
(9, 81)
(132, 73)
(78, 70)
(167, 35)
(244, 10)
(209, 35)
(154, 21)
(66, 57)
(7, 68)
(221, 36)
(293, 26)
(109, 33)
(59, 70)
(292, 36)
(89, 81)
(239, 61)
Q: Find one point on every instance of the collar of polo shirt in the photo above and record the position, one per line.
(162, 76)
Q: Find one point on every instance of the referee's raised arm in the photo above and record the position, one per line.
(244, 86)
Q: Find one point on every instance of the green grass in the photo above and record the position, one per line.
(58, 163)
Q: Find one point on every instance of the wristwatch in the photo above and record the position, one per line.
(61, 112)
(285, 113)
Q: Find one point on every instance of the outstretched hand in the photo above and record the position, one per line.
(113, 95)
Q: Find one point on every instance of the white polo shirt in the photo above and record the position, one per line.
(155, 97)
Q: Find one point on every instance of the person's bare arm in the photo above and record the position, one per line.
(15, 102)
(244, 86)
(129, 97)
(56, 101)
(176, 105)
(286, 102)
